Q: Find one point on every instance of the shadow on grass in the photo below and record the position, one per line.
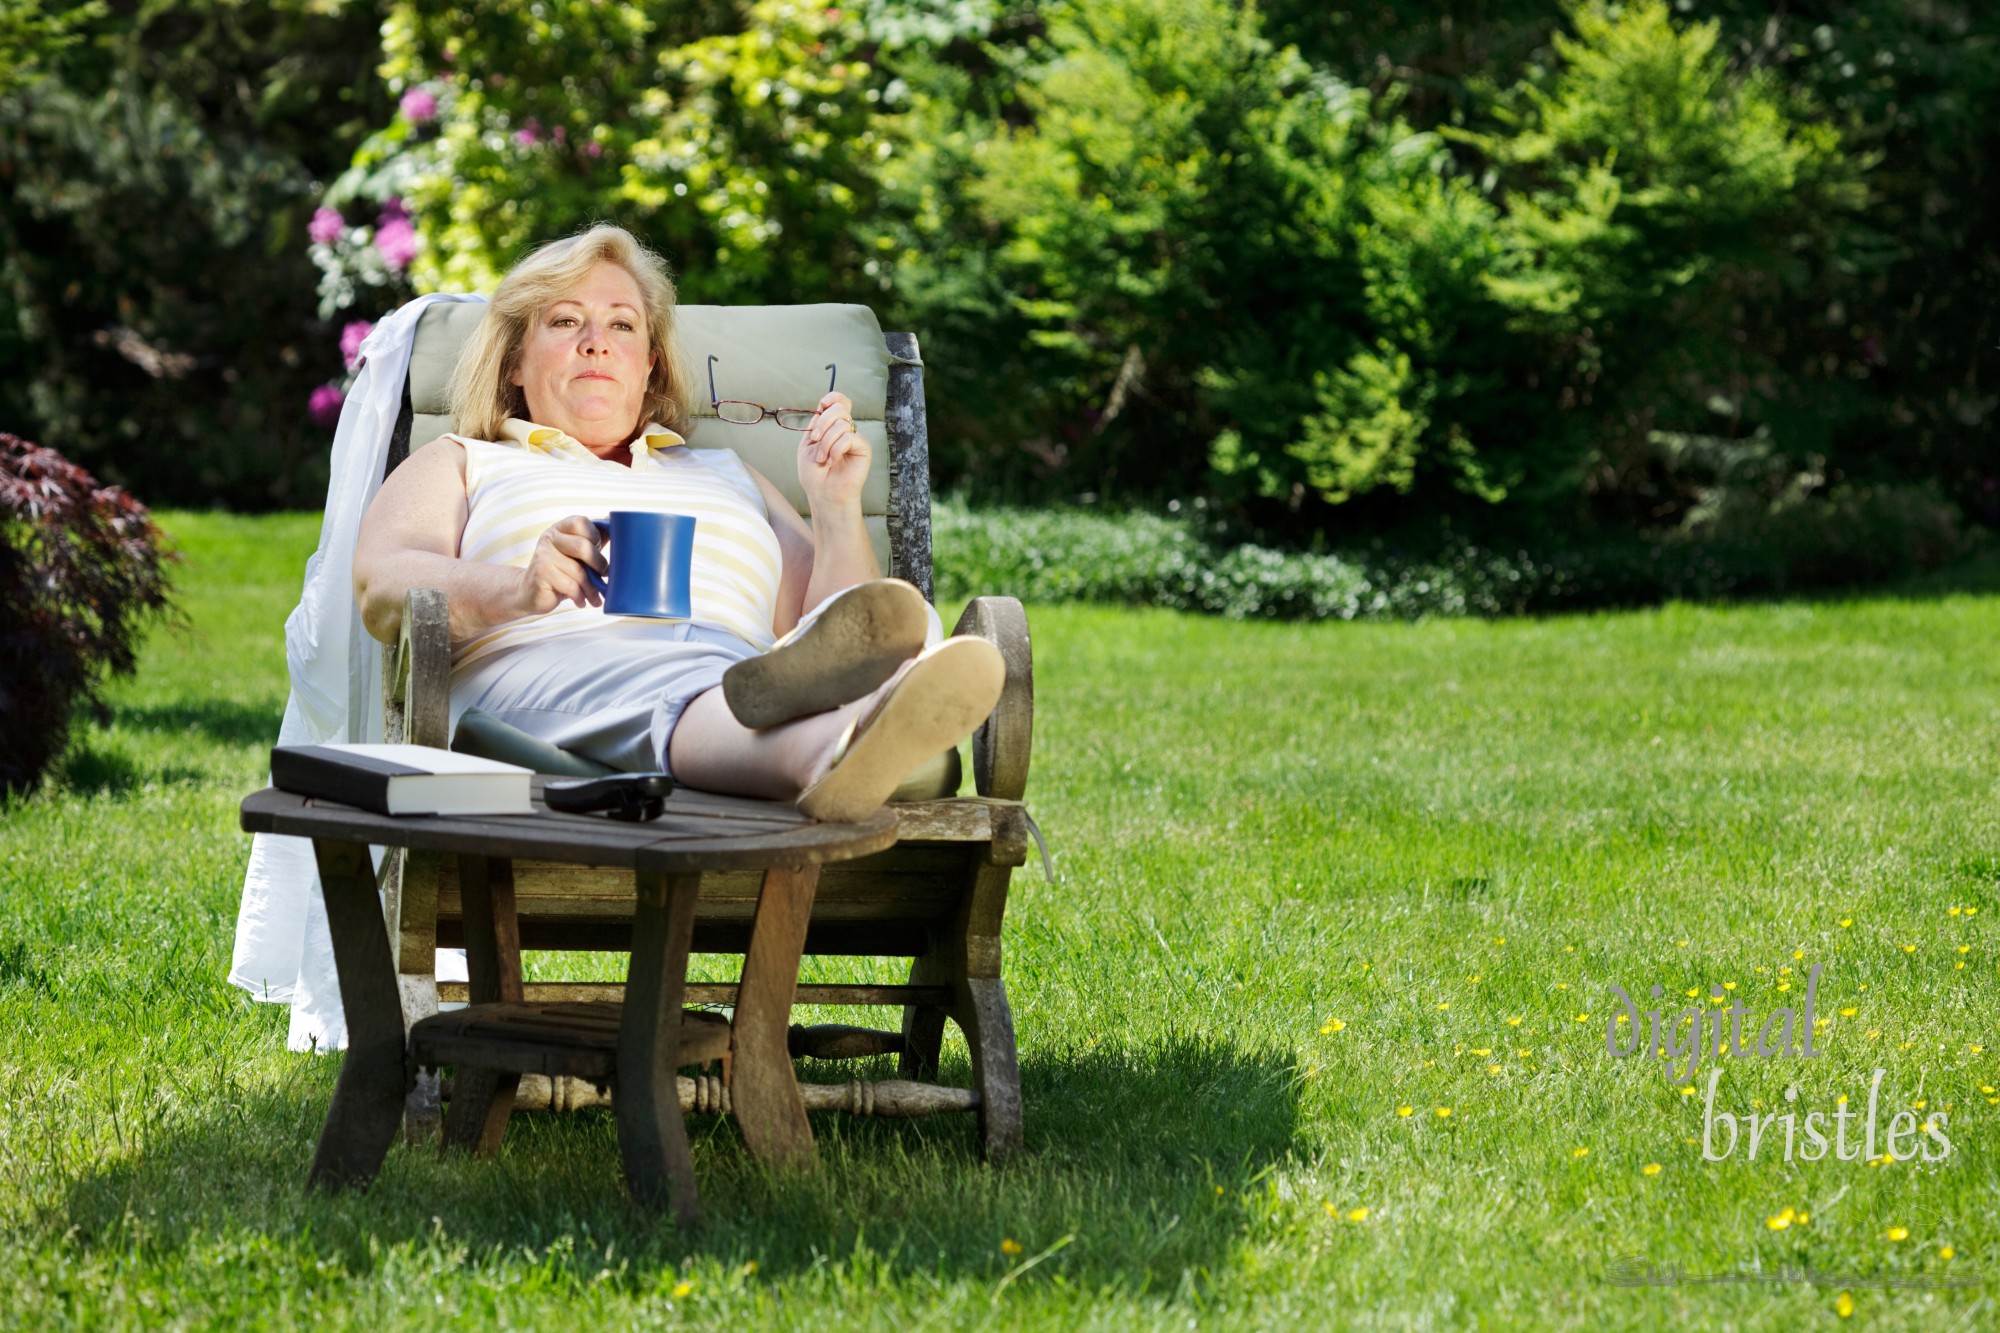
(88, 771)
(224, 721)
(1142, 1165)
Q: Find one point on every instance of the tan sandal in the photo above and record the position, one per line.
(942, 697)
(855, 644)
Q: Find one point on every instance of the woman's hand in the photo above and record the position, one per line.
(833, 456)
(555, 572)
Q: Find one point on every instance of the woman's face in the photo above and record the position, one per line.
(586, 358)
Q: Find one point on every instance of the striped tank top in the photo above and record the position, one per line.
(517, 486)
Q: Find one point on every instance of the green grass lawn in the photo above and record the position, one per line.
(1312, 1024)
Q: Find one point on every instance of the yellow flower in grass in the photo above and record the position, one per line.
(1583, 1018)
(1357, 1214)
(1482, 1050)
(1333, 1025)
(1846, 921)
(1688, 1091)
(682, 1290)
(1779, 1222)
(1514, 1022)
(1579, 1152)
(1011, 1247)
(1797, 954)
(1909, 948)
(1844, 1306)
(1650, 1169)
(1946, 1252)
(1444, 1113)
(1972, 911)
(1896, 1233)
(1965, 948)
(1405, 1111)
(1444, 1004)
(1850, 1011)
(1493, 1069)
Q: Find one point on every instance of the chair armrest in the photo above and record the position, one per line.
(1000, 747)
(416, 680)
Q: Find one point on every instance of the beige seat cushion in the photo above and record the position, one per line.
(774, 355)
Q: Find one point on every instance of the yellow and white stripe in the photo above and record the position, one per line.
(516, 487)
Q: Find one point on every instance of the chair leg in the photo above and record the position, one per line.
(409, 892)
(923, 1024)
(996, 1070)
(482, 1099)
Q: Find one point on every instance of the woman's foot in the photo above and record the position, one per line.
(850, 648)
(936, 702)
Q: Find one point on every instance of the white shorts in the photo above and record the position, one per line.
(613, 695)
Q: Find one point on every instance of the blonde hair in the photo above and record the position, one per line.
(483, 394)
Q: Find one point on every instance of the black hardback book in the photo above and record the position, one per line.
(402, 779)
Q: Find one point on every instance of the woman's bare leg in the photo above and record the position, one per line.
(712, 751)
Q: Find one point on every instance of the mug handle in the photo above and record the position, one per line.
(603, 527)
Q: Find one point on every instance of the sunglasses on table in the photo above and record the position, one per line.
(742, 412)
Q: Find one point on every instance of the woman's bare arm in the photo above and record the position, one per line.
(834, 552)
(409, 539)
(819, 560)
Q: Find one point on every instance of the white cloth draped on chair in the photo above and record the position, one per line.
(283, 952)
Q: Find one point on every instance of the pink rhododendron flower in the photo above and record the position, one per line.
(324, 229)
(419, 106)
(351, 339)
(396, 239)
(325, 404)
(392, 209)
(530, 133)
(594, 149)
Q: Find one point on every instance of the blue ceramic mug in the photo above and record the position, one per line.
(650, 558)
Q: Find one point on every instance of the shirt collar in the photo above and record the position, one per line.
(654, 439)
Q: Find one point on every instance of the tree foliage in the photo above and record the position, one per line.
(1580, 271)
(156, 315)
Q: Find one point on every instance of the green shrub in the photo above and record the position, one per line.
(1851, 536)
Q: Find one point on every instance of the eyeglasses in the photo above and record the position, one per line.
(742, 412)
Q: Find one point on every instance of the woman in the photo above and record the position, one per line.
(568, 404)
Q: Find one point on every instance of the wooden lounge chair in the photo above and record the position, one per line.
(937, 898)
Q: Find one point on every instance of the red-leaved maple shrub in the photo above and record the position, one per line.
(81, 566)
